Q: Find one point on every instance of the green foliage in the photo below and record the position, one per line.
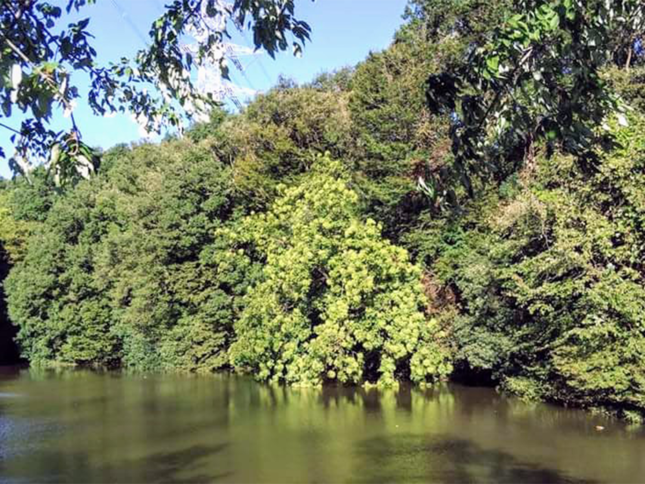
(13, 239)
(455, 25)
(124, 270)
(245, 246)
(629, 84)
(39, 54)
(14, 232)
(552, 296)
(335, 300)
(52, 296)
(169, 297)
(30, 200)
(336, 81)
(394, 134)
(273, 141)
(537, 76)
(202, 131)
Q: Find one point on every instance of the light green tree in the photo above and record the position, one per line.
(336, 301)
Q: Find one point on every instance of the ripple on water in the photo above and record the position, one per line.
(17, 435)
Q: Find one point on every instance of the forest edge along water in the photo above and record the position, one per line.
(84, 426)
(466, 204)
(376, 223)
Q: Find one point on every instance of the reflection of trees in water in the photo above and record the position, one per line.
(437, 458)
(139, 428)
(315, 429)
(512, 439)
(186, 465)
(122, 426)
(330, 407)
(368, 399)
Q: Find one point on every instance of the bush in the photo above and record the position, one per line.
(551, 282)
(335, 301)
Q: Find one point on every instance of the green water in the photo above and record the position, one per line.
(89, 427)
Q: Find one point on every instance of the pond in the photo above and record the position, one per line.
(80, 426)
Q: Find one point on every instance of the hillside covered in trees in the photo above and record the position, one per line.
(344, 230)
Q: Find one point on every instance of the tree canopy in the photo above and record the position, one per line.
(535, 75)
(334, 301)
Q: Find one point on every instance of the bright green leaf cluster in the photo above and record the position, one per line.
(335, 300)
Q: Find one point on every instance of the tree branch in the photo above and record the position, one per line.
(10, 129)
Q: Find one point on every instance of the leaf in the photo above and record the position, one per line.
(54, 155)
(554, 23)
(297, 50)
(493, 64)
(16, 75)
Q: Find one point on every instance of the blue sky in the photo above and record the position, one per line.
(344, 32)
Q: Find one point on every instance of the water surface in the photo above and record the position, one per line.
(79, 426)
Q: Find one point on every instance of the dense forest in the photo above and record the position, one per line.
(336, 231)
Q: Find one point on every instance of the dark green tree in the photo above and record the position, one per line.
(549, 277)
(536, 77)
(124, 269)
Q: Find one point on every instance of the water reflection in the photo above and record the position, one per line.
(73, 426)
(448, 460)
